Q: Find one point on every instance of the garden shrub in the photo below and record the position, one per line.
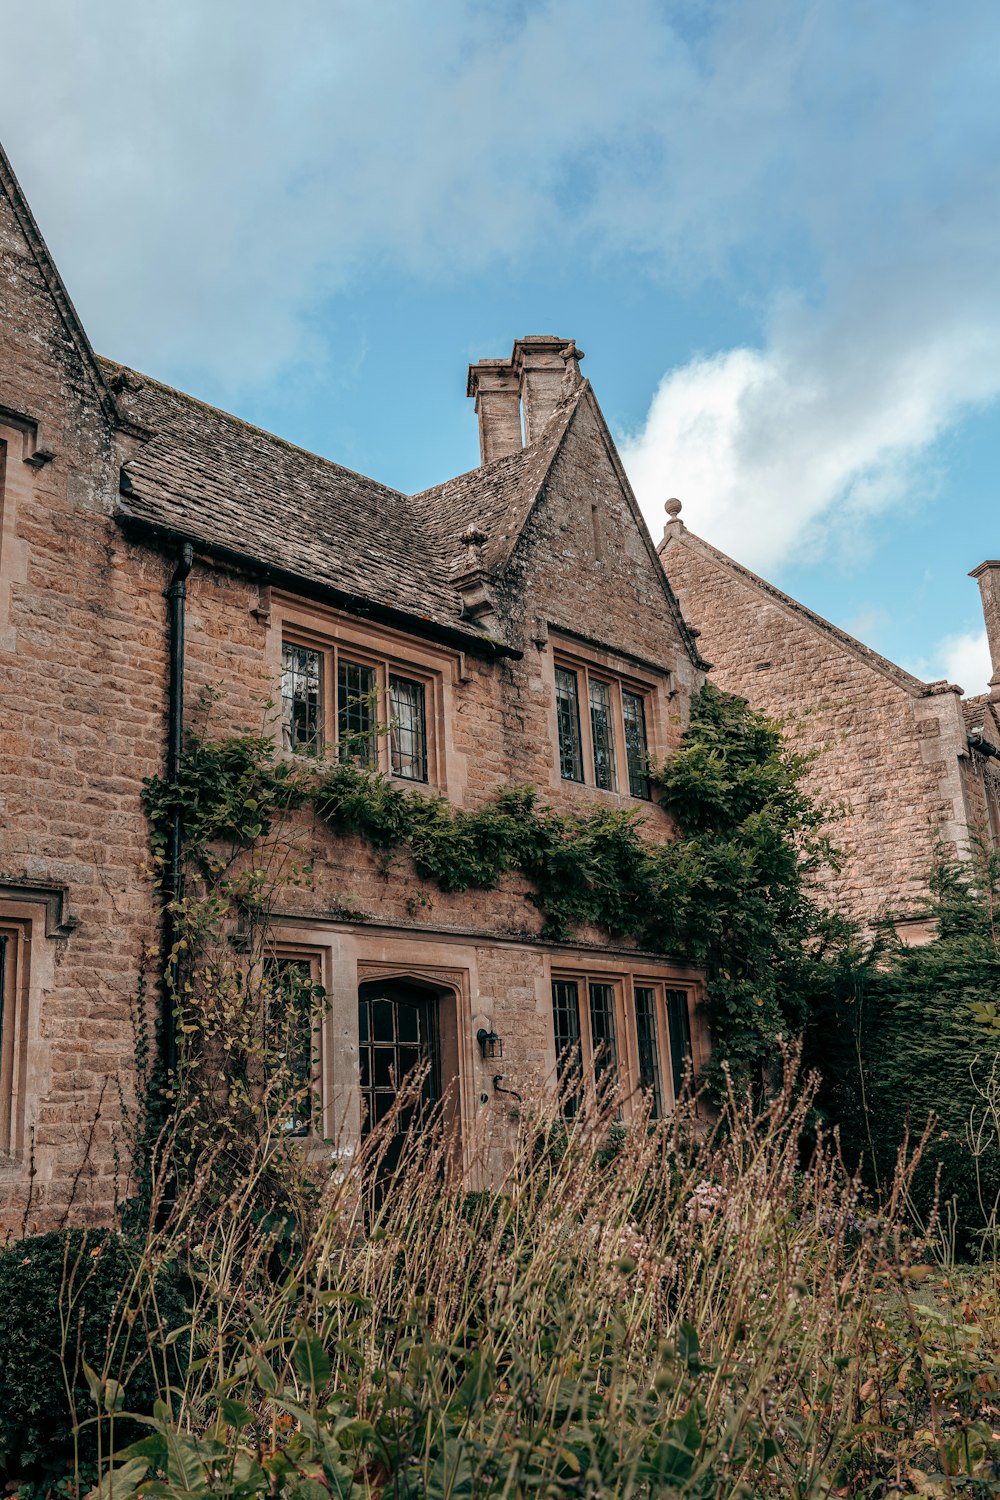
(61, 1295)
(914, 1033)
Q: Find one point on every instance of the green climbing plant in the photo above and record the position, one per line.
(730, 893)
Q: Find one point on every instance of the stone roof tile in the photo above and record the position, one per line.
(222, 481)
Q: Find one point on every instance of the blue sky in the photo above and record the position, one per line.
(771, 224)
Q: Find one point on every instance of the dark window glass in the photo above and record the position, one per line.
(302, 699)
(566, 1025)
(407, 729)
(290, 1014)
(8, 976)
(679, 1022)
(636, 749)
(602, 1034)
(650, 1080)
(602, 730)
(568, 716)
(356, 714)
(398, 1032)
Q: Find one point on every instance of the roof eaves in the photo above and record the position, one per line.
(479, 644)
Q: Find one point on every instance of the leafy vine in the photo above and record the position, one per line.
(731, 893)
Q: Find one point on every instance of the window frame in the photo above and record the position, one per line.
(279, 951)
(616, 683)
(628, 1061)
(387, 666)
(15, 937)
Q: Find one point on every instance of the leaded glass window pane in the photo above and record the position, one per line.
(636, 749)
(407, 729)
(356, 713)
(291, 995)
(650, 1080)
(602, 1033)
(566, 1025)
(398, 1033)
(679, 1022)
(302, 699)
(568, 717)
(602, 731)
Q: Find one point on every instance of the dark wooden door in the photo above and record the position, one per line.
(397, 1026)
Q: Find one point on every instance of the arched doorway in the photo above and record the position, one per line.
(398, 1031)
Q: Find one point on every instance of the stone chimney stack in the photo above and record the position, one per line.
(495, 386)
(987, 576)
(538, 360)
(541, 371)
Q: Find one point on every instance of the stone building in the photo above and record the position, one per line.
(514, 625)
(912, 767)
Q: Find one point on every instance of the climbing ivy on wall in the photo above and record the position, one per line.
(730, 893)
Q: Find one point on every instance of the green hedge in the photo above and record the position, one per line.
(915, 1034)
(60, 1294)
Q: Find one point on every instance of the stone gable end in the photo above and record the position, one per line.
(585, 561)
(888, 750)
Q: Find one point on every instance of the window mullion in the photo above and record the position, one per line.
(622, 778)
(331, 735)
(383, 758)
(586, 729)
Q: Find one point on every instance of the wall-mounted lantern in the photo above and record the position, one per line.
(490, 1044)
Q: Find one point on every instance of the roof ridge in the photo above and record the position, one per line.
(229, 416)
(875, 658)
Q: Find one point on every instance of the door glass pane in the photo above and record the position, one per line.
(397, 1030)
(679, 1022)
(602, 1033)
(301, 699)
(603, 734)
(649, 1048)
(636, 751)
(407, 729)
(566, 1025)
(568, 718)
(356, 714)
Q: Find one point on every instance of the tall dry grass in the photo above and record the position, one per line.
(675, 1310)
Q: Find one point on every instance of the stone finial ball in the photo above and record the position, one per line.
(673, 509)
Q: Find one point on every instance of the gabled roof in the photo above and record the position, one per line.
(500, 498)
(217, 480)
(60, 297)
(679, 534)
(982, 718)
(255, 499)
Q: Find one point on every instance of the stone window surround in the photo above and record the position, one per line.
(18, 440)
(30, 918)
(621, 676)
(333, 632)
(624, 982)
(299, 953)
(448, 963)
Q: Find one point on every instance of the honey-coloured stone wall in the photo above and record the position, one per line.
(890, 752)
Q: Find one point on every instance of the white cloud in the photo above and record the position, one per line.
(209, 175)
(962, 658)
(772, 450)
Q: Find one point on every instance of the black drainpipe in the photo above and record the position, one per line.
(175, 595)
